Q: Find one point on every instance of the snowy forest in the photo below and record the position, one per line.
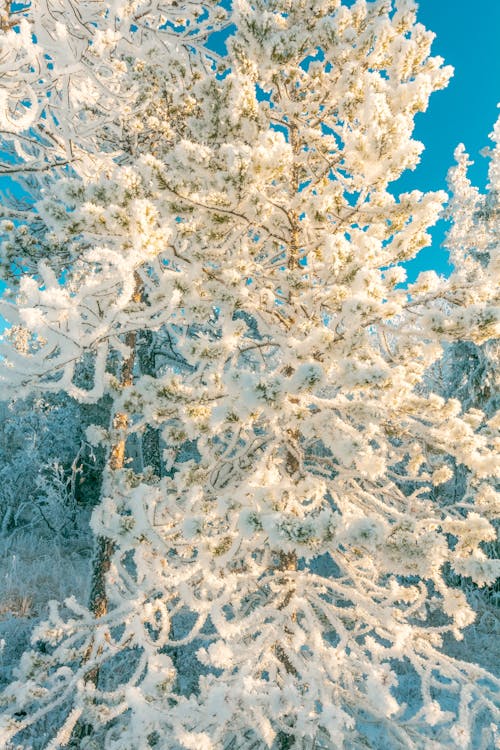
(249, 472)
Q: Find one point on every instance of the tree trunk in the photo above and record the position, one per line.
(288, 560)
(150, 438)
(105, 547)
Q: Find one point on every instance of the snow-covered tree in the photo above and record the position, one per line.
(473, 241)
(239, 208)
(469, 371)
(49, 483)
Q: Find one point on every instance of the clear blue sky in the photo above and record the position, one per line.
(468, 37)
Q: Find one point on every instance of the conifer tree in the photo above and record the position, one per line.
(293, 551)
(473, 241)
(470, 371)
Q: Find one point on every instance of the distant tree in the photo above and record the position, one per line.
(470, 371)
(49, 483)
(241, 212)
(42, 445)
(473, 241)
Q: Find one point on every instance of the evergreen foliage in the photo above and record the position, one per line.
(276, 562)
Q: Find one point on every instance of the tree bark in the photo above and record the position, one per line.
(288, 560)
(105, 547)
(150, 438)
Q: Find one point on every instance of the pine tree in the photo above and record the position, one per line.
(293, 551)
(473, 241)
(468, 371)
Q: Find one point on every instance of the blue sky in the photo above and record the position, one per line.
(468, 37)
